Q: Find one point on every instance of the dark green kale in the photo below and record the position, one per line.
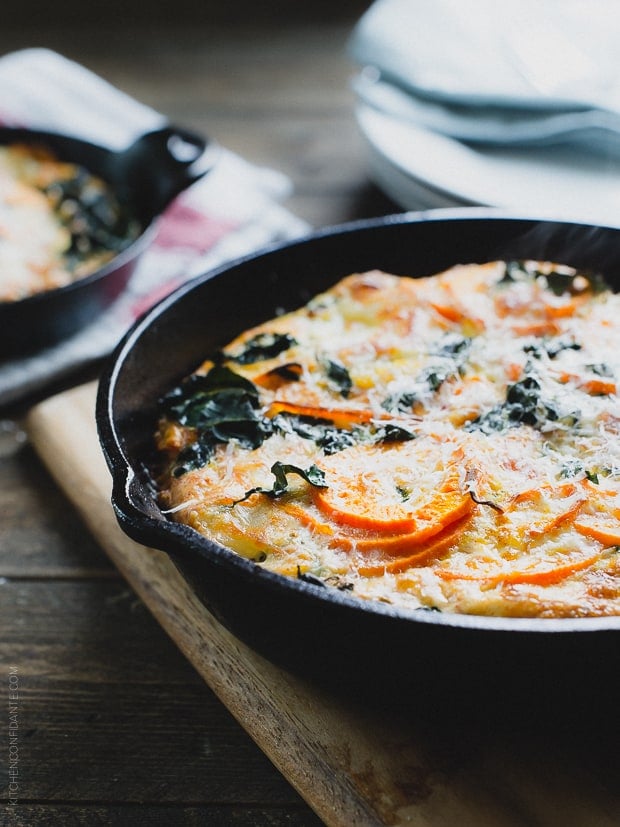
(291, 372)
(392, 433)
(262, 346)
(514, 271)
(403, 493)
(601, 370)
(310, 578)
(331, 439)
(322, 432)
(95, 219)
(524, 405)
(452, 350)
(433, 377)
(312, 475)
(571, 468)
(400, 402)
(560, 282)
(550, 347)
(194, 456)
(221, 406)
(339, 376)
(453, 344)
(571, 284)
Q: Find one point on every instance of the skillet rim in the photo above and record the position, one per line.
(179, 541)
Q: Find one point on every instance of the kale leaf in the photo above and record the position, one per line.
(312, 475)
(262, 346)
(524, 405)
(339, 376)
(221, 406)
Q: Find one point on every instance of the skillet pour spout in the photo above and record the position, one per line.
(322, 633)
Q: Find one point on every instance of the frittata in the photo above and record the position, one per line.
(447, 443)
(58, 222)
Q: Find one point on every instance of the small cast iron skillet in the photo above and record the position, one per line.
(366, 647)
(146, 177)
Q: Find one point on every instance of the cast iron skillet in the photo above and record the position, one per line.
(322, 633)
(146, 177)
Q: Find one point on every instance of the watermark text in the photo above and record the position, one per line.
(13, 741)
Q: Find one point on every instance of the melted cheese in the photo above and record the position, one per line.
(449, 442)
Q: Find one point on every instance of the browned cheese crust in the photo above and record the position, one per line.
(446, 443)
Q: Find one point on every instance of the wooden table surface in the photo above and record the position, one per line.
(115, 726)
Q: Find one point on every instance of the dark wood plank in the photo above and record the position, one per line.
(41, 534)
(110, 711)
(243, 68)
(121, 815)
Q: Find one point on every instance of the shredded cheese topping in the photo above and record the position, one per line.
(447, 443)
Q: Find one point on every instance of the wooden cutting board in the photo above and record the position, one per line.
(353, 764)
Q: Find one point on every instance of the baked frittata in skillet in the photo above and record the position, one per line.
(58, 222)
(446, 443)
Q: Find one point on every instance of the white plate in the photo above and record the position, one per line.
(421, 169)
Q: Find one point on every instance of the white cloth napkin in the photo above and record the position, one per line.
(233, 211)
(497, 93)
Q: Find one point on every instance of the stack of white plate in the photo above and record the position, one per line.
(512, 104)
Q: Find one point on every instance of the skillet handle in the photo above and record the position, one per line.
(161, 164)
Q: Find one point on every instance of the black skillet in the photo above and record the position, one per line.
(365, 647)
(146, 177)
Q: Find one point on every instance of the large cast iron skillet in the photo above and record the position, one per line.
(318, 632)
(146, 177)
